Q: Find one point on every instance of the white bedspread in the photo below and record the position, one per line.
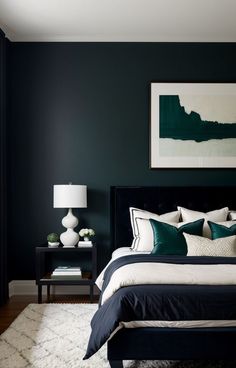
(168, 273)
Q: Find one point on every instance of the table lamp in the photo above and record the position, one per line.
(69, 196)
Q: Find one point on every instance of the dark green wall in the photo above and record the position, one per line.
(80, 112)
(3, 169)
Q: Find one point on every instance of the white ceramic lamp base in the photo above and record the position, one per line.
(69, 238)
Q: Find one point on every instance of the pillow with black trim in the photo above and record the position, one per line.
(222, 230)
(216, 216)
(200, 247)
(136, 213)
(169, 239)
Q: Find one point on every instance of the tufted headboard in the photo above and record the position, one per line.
(160, 200)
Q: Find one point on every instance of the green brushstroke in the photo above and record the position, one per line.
(175, 123)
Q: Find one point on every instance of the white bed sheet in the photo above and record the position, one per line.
(125, 251)
(119, 252)
(180, 324)
(175, 324)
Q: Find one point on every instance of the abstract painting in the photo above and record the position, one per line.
(193, 125)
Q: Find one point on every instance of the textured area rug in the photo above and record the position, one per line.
(56, 336)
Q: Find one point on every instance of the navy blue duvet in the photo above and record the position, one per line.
(161, 302)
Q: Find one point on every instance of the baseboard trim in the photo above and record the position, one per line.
(28, 287)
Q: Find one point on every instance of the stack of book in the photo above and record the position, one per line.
(67, 273)
(84, 244)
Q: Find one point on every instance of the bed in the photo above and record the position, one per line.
(168, 343)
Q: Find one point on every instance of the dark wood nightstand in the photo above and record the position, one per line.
(44, 268)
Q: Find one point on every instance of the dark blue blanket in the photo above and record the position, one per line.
(161, 302)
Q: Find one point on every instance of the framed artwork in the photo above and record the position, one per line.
(193, 125)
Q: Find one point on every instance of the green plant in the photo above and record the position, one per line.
(53, 238)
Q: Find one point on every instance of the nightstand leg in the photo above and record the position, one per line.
(39, 294)
(91, 293)
(48, 293)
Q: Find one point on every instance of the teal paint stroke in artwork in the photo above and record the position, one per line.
(176, 123)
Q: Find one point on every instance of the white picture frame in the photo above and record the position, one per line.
(213, 102)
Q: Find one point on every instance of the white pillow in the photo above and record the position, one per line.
(200, 246)
(214, 216)
(232, 215)
(142, 214)
(145, 239)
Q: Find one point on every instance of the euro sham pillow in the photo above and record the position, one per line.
(222, 229)
(200, 246)
(169, 239)
(215, 216)
(136, 213)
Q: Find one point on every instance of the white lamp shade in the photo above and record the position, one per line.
(70, 196)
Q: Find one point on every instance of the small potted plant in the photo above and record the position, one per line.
(86, 234)
(53, 240)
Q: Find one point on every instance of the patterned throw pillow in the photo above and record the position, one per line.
(222, 247)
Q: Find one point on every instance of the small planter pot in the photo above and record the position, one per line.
(53, 244)
(86, 238)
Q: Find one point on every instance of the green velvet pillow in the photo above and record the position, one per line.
(169, 240)
(221, 231)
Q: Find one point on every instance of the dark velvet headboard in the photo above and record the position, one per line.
(160, 200)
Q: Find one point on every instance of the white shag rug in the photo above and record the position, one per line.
(56, 336)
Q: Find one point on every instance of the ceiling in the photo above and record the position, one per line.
(119, 20)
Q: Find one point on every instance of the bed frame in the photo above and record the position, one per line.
(167, 343)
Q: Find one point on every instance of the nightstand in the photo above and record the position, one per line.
(44, 268)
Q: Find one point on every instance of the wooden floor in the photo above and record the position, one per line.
(16, 304)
